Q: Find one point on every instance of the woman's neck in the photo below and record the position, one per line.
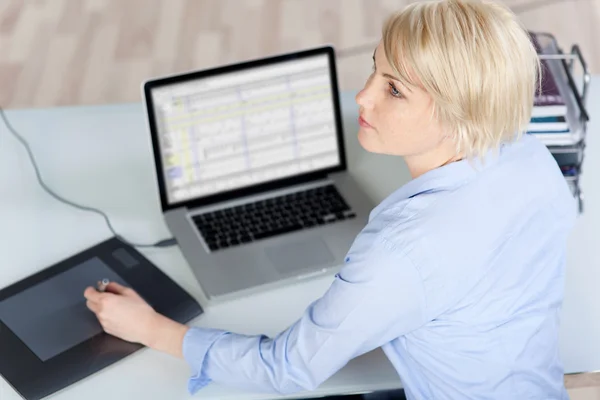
(419, 164)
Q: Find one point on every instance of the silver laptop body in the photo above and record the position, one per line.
(251, 170)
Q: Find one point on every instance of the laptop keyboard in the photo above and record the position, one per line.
(270, 217)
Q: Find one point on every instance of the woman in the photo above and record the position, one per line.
(458, 275)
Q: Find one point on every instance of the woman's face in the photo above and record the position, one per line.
(395, 119)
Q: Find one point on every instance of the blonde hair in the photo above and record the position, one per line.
(476, 61)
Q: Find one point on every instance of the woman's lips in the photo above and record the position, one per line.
(362, 122)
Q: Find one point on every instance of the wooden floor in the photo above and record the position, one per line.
(73, 52)
(62, 52)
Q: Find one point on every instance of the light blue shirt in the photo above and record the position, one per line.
(458, 276)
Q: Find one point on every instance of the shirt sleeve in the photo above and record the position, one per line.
(376, 297)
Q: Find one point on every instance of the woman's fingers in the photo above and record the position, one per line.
(92, 294)
(95, 307)
(117, 288)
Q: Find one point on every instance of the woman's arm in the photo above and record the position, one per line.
(165, 335)
(377, 297)
(372, 301)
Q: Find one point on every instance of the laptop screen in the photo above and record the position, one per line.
(236, 129)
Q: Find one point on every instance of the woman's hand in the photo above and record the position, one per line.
(121, 312)
(125, 314)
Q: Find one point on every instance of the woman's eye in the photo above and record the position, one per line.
(393, 91)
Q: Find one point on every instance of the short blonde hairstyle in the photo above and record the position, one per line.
(477, 62)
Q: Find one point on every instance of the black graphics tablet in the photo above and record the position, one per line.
(48, 337)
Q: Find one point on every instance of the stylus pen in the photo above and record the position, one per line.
(102, 285)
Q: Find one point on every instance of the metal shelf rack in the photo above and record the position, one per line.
(568, 150)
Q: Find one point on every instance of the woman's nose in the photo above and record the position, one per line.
(363, 98)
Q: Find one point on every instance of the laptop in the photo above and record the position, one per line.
(251, 169)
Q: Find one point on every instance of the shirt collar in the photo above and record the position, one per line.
(442, 178)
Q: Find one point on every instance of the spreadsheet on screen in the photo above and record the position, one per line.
(237, 129)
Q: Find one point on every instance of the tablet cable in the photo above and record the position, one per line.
(160, 244)
(343, 53)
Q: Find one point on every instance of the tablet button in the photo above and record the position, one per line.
(125, 258)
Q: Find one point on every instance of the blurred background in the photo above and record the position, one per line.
(82, 52)
(72, 52)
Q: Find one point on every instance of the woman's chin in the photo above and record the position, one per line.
(367, 140)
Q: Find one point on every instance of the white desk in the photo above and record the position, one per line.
(101, 156)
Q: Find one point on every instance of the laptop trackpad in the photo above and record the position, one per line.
(298, 255)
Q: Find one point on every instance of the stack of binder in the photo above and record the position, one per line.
(559, 118)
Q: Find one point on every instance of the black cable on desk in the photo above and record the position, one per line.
(161, 243)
